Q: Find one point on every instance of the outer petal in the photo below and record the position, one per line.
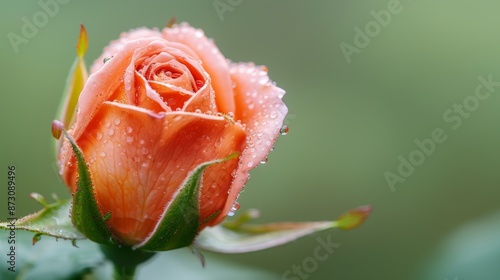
(212, 60)
(260, 109)
(138, 159)
(118, 45)
(103, 84)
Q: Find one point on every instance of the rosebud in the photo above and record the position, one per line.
(163, 136)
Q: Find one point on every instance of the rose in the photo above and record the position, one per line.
(157, 105)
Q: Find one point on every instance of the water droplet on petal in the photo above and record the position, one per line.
(263, 161)
(234, 208)
(284, 130)
(111, 132)
(117, 121)
(129, 139)
(281, 94)
(263, 80)
(98, 136)
(102, 154)
(199, 83)
(144, 151)
(129, 129)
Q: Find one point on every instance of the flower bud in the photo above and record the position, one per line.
(165, 135)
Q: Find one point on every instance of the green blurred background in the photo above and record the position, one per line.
(348, 122)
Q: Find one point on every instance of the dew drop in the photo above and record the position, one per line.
(198, 34)
(98, 136)
(129, 139)
(111, 132)
(281, 94)
(102, 154)
(117, 121)
(263, 161)
(128, 129)
(141, 142)
(284, 130)
(263, 80)
(234, 208)
(144, 151)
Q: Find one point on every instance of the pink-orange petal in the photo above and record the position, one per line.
(260, 108)
(138, 159)
(212, 59)
(103, 84)
(118, 45)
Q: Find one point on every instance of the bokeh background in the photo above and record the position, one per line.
(349, 122)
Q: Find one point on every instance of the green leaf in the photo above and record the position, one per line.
(85, 212)
(180, 221)
(239, 237)
(48, 259)
(52, 220)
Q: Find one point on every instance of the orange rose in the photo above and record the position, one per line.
(162, 104)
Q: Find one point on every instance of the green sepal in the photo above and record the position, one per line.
(85, 212)
(180, 222)
(75, 81)
(52, 220)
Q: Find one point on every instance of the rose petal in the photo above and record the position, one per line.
(203, 100)
(118, 45)
(136, 167)
(260, 109)
(212, 60)
(105, 83)
(147, 97)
